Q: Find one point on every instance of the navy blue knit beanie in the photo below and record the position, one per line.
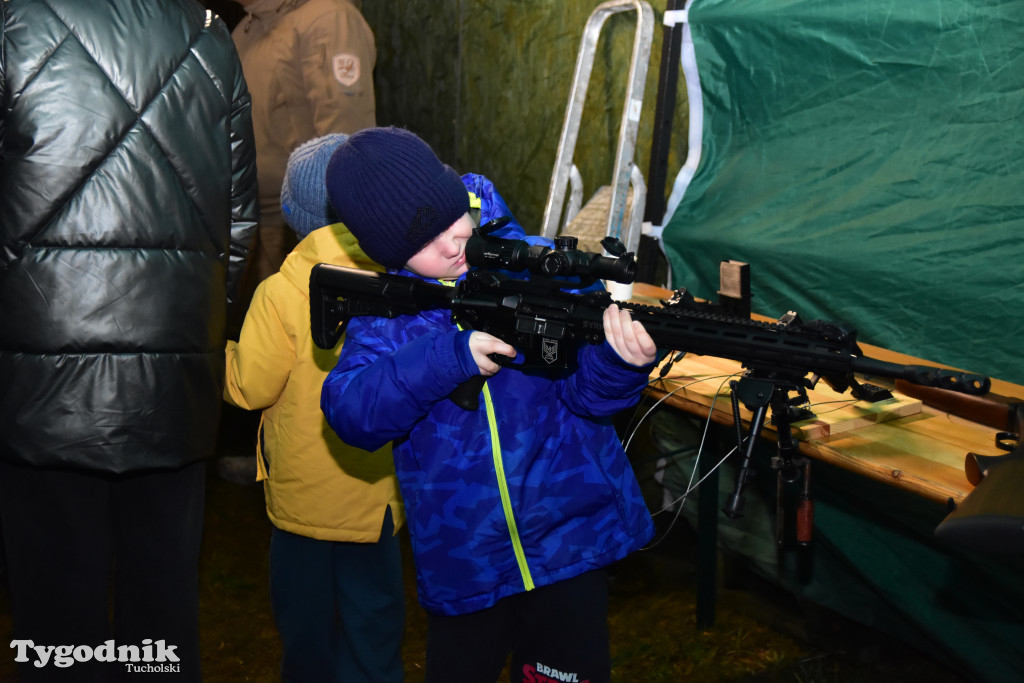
(393, 193)
(304, 192)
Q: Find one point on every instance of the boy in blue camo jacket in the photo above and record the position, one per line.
(514, 509)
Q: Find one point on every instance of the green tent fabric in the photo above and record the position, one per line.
(867, 159)
(872, 558)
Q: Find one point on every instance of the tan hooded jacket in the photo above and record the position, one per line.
(309, 67)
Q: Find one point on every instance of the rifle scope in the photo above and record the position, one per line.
(565, 260)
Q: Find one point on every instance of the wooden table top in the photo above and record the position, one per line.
(904, 443)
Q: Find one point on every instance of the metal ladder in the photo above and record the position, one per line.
(625, 172)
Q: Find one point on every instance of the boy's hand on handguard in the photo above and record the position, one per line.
(628, 337)
(482, 344)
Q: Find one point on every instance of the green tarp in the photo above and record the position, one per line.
(867, 159)
(872, 557)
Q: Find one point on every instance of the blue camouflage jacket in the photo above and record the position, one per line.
(531, 488)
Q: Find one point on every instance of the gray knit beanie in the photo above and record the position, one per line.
(393, 193)
(304, 192)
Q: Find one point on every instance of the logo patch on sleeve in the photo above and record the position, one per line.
(346, 68)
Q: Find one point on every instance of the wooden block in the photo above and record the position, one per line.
(852, 416)
(705, 380)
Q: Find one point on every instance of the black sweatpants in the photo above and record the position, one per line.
(82, 546)
(555, 633)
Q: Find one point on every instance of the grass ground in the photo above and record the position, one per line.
(758, 635)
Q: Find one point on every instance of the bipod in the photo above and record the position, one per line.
(759, 392)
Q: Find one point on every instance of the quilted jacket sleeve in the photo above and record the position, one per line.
(603, 384)
(244, 190)
(258, 364)
(381, 388)
(3, 77)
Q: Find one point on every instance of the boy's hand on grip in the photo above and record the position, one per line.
(483, 345)
(628, 337)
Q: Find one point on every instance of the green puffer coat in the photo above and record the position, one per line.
(128, 204)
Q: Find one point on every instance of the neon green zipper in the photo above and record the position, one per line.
(499, 472)
(506, 501)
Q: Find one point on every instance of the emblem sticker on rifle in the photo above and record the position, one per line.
(549, 350)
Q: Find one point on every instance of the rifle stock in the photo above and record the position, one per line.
(990, 519)
(338, 293)
(991, 410)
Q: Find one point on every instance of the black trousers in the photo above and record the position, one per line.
(339, 607)
(556, 632)
(93, 557)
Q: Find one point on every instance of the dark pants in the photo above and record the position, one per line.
(339, 607)
(82, 548)
(553, 632)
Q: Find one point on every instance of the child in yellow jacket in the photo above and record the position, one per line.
(335, 568)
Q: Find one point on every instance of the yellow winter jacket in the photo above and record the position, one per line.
(315, 485)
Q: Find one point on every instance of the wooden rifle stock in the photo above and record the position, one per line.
(992, 410)
(990, 519)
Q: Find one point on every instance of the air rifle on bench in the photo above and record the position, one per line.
(990, 519)
(516, 291)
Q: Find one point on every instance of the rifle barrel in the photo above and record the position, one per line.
(925, 375)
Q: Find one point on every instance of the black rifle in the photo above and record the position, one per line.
(547, 325)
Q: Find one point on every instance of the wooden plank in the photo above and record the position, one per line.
(923, 453)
